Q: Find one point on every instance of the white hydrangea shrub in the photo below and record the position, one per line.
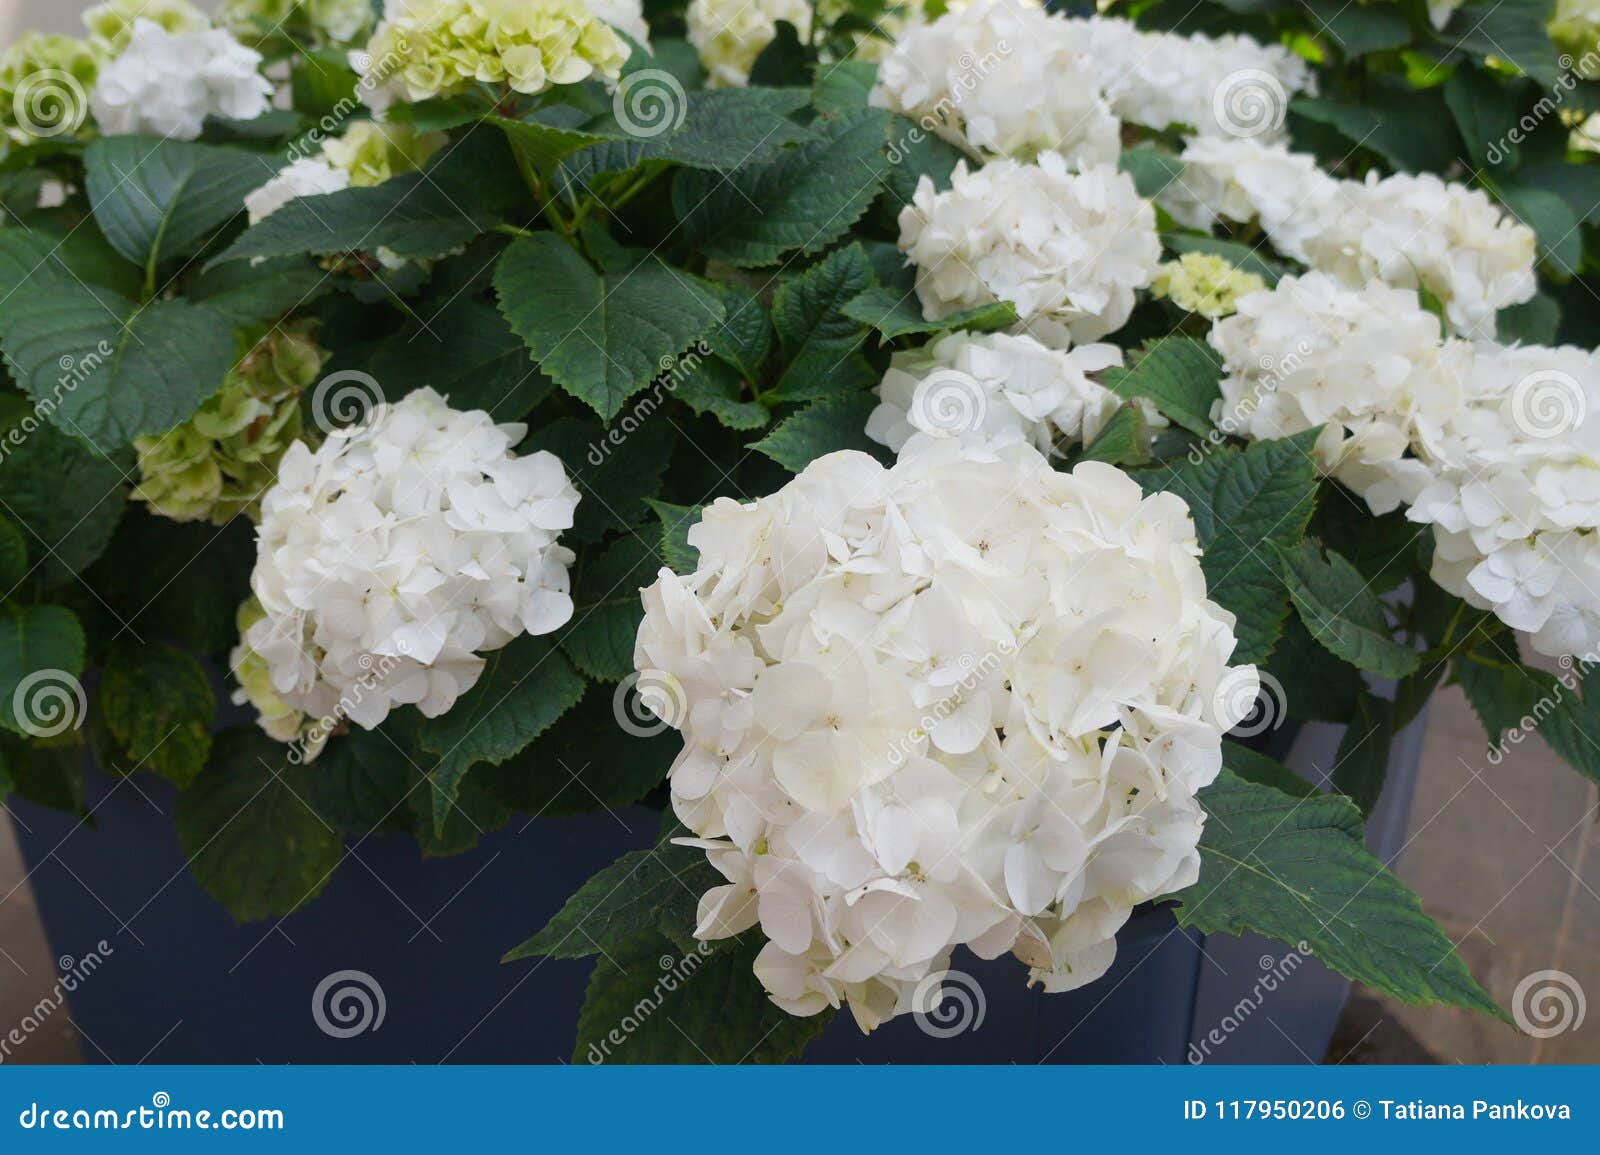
(410, 544)
(965, 700)
(166, 83)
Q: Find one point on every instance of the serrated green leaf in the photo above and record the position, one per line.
(823, 375)
(713, 386)
(251, 837)
(1314, 688)
(254, 294)
(802, 201)
(1362, 763)
(41, 656)
(468, 353)
(649, 1003)
(843, 86)
(1256, 767)
(158, 705)
(1123, 440)
(820, 428)
(159, 199)
(1179, 374)
(676, 521)
(607, 609)
(524, 688)
(744, 337)
(656, 890)
(1381, 547)
(895, 313)
(1341, 611)
(602, 337)
(1295, 869)
(1242, 504)
(363, 779)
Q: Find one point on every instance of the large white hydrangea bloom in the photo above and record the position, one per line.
(993, 389)
(1497, 448)
(1408, 230)
(964, 700)
(1230, 86)
(730, 34)
(166, 83)
(1068, 249)
(405, 547)
(999, 79)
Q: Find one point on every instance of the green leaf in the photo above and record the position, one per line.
(804, 200)
(1295, 869)
(465, 190)
(1314, 688)
(1382, 547)
(823, 376)
(820, 428)
(784, 61)
(1553, 223)
(1577, 184)
(1179, 374)
(607, 609)
(1362, 763)
(110, 371)
(676, 521)
(1339, 608)
(656, 890)
(914, 153)
(895, 312)
(1361, 29)
(158, 704)
(713, 386)
(13, 557)
(1246, 257)
(1485, 115)
(1244, 503)
(1152, 168)
(1512, 31)
(1534, 322)
(41, 656)
(159, 199)
(744, 336)
(66, 496)
(362, 780)
(525, 686)
(844, 86)
(251, 837)
(1510, 697)
(1257, 768)
(815, 330)
(601, 337)
(649, 1003)
(1122, 440)
(250, 295)
(1398, 126)
(469, 354)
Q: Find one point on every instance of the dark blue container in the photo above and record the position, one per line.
(181, 983)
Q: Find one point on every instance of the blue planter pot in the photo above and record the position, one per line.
(181, 983)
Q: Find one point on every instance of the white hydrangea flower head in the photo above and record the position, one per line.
(1367, 364)
(1243, 179)
(391, 558)
(994, 389)
(166, 83)
(1229, 86)
(965, 700)
(307, 177)
(626, 16)
(1515, 501)
(999, 79)
(1413, 230)
(730, 34)
(1068, 249)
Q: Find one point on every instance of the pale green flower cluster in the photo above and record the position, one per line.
(111, 24)
(270, 26)
(1204, 283)
(442, 46)
(371, 152)
(217, 464)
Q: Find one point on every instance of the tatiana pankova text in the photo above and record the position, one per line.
(1418, 1110)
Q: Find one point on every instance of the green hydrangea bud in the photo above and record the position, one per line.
(250, 670)
(218, 463)
(111, 24)
(45, 83)
(1204, 283)
(372, 152)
